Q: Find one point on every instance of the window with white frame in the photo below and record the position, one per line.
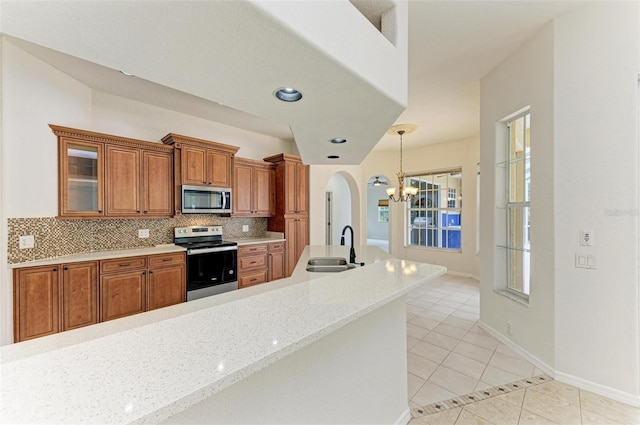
(518, 204)
(435, 212)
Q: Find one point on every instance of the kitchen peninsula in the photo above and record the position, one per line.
(312, 348)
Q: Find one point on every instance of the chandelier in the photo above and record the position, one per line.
(402, 194)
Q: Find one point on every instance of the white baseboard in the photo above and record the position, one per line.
(404, 418)
(583, 384)
(599, 389)
(472, 276)
(515, 347)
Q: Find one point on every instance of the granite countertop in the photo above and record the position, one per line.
(145, 368)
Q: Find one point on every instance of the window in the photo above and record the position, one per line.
(383, 211)
(434, 214)
(518, 205)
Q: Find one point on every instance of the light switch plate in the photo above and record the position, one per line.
(245, 227)
(143, 233)
(586, 237)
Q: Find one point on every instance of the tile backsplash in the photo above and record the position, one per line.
(55, 237)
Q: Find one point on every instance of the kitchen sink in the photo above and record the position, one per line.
(328, 265)
(330, 268)
(327, 261)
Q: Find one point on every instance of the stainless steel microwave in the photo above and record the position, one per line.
(206, 200)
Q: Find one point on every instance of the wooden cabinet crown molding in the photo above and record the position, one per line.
(283, 157)
(254, 163)
(93, 136)
(177, 140)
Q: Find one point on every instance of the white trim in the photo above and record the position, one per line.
(515, 347)
(583, 384)
(472, 276)
(404, 418)
(603, 390)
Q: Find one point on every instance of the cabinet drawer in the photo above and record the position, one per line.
(252, 262)
(120, 264)
(166, 259)
(252, 279)
(252, 249)
(276, 246)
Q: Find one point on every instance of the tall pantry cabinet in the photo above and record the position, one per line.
(292, 205)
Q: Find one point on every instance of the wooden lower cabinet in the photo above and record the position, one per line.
(296, 233)
(277, 261)
(58, 298)
(36, 302)
(166, 286)
(79, 295)
(260, 263)
(122, 294)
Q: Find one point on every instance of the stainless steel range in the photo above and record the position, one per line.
(211, 262)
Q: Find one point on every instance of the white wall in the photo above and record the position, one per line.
(596, 121)
(341, 206)
(319, 177)
(580, 76)
(462, 153)
(525, 78)
(375, 229)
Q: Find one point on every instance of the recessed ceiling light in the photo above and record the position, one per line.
(288, 94)
(333, 157)
(338, 140)
(128, 74)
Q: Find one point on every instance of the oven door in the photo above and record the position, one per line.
(214, 271)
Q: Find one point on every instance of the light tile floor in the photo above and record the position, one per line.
(449, 355)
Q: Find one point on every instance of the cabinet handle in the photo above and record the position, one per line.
(253, 280)
(66, 268)
(167, 259)
(253, 262)
(137, 211)
(99, 211)
(124, 265)
(150, 272)
(144, 273)
(145, 212)
(55, 269)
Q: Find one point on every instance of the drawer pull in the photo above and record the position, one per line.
(55, 269)
(253, 262)
(253, 280)
(124, 265)
(167, 259)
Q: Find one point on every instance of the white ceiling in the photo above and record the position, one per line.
(452, 44)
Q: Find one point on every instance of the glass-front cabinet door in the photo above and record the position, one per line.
(82, 182)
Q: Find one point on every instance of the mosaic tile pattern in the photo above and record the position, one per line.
(54, 237)
(478, 396)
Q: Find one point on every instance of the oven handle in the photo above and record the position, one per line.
(208, 250)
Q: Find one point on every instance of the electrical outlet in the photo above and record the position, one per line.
(245, 227)
(143, 233)
(27, 242)
(586, 237)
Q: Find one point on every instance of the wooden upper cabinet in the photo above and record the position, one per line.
(105, 176)
(253, 189)
(123, 181)
(81, 178)
(218, 169)
(292, 185)
(201, 162)
(79, 295)
(36, 301)
(194, 166)
(157, 178)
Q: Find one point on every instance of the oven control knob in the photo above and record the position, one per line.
(230, 271)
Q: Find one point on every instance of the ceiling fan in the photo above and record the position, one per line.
(378, 182)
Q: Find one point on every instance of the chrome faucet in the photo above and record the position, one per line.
(352, 252)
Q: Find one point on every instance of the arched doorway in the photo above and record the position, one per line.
(378, 212)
